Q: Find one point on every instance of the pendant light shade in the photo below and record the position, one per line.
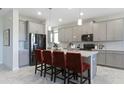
(80, 19)
(49, 28)
(50, 13)
(79, 22)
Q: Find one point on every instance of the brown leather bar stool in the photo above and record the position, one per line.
(48, 63)
(75, 64)
(39, 61)
(59, 64)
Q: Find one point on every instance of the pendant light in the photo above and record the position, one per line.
(80, 20)
(49, 26)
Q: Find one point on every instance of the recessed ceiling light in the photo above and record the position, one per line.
(60, 19)
(81, 14)
(39, 13)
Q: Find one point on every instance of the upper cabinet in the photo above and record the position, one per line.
(99, 31)
(65, 35)
(61, 35)
(102, 31)
(78, 31)
(115, 30)
(68, 35)
(36, 28)
(22, 30)
(87, 28)
(76, 34)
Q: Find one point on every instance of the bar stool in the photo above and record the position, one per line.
(59, 64)
(39, 60)
(75, 64)
(48, 63)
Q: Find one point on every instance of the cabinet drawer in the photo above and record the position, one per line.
(115, 60)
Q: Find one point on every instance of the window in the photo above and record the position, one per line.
(55, 36)
(50, 37)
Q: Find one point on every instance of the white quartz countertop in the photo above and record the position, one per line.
(109, 50)
(83, 53)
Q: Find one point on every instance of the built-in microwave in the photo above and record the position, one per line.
(87, 37)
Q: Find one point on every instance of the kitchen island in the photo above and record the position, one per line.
(90, 56)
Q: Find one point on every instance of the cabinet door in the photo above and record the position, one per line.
(68, 35)
(114, 60)
(35, 28)
(81, 30)
(115, 29)
(76, 36)
(101, 58)
(87, 28)
(61, 35)
(22, 31)
(40, 29)
(99, 31)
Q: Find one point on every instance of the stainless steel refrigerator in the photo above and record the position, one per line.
(36, 41)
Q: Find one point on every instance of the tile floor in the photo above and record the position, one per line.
(26, 75)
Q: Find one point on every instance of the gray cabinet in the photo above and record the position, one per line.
(68, 35)
(61, 35)
(99, 31)
(111, 58)
(115, 30)
(101, 58)
(76, 34)
(86, 28)
(36, 28)
(65, 35)
(22, 30)
(115, 59)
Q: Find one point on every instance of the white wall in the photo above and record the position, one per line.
(8, 50)
(10, 53)
(15, 39)
(1, 41)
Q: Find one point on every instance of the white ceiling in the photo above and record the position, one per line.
(68, 15)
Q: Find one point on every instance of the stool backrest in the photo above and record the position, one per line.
(47, 57)
(59, 59)
(73, 61)
(39, 55)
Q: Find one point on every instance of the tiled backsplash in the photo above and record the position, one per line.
(114, 45)
(107, 45)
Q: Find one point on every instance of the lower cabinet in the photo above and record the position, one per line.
(101, 58)
(113, 59)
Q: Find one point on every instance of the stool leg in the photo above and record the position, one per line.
(55, 75)
(36, 67)
(81, 78)
(41, 69)
(89, 77)
(64, 76)
(51, 73)
(68, 77)
(45, 70)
